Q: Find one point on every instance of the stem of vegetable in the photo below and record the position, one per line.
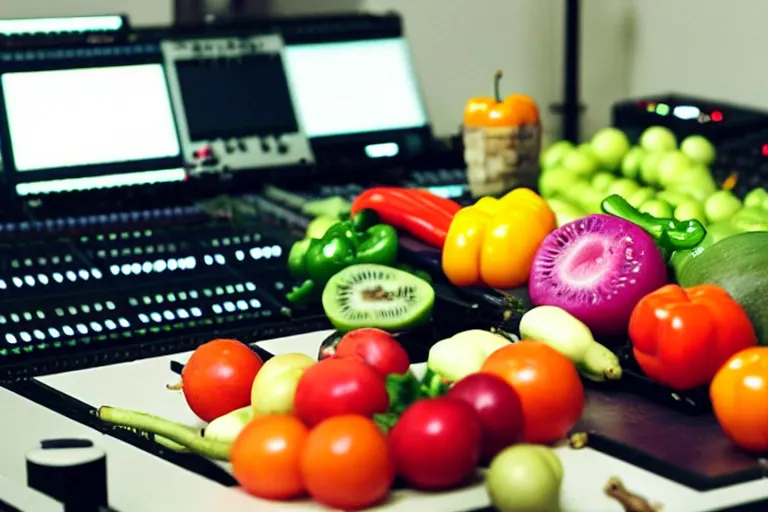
(497, 85)
(175, 387)
(172, 431)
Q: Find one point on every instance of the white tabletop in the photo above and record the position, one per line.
(142, 482)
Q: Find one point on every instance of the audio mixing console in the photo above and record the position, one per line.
(112, 140)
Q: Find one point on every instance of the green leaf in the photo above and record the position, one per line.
(403, 390)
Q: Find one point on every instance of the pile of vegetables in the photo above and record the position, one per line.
(341, 429)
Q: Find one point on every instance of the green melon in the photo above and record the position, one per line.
(739, 265)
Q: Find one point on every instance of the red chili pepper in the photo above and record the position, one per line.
(681, 337)
(424, 217)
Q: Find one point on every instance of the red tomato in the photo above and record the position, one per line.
(548, 385)
(498, 408)
(375, 347)
(334, 387)
(266, 457)
(346, 463)
(218, 378)
(436, 443)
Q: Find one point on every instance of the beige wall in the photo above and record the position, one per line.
(630, 47)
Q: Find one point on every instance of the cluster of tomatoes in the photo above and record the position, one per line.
(334, 447)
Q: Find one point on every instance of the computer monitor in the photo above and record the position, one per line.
(87, 117)
(352, 87)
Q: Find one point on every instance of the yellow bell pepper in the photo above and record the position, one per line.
(494, 241)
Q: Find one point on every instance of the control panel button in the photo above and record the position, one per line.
(204, 153)
(242, 146)
(265, 146)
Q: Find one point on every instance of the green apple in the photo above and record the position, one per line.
(765, 204)
(576, 189)
(552, 181)
(698, 149)
(610, 145)
(657, 139)
(722, 230)
(602, 180)
(640, 196)
(755, 197)
(649, 168)
(657, 208)
(623, 187)
(722, 205)
(525, 477)
(691, 210)
(750, 219)
(673, 197)
(630, 165)
(695, 181)
(565, 212)
(591, 201)
(581, 162)
(671, 166)
(554, 154)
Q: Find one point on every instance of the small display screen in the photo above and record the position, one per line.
(355, 87)
(89, 116)
(236, 97)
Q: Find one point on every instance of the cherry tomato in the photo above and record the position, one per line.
(375, 347)
(346, 463)
(436, 443)
(266, 457)
(333, 387)
(548, 385)
(739, 394)
(218, 378)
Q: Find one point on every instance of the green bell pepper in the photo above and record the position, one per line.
(670, 234)
(346, 243)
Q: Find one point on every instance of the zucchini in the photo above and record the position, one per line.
(739, 265)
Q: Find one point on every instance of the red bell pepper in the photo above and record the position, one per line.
(681, 337)
(418, 212)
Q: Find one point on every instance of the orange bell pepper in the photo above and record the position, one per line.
(494, 241)
(491, 112)
(681, 337)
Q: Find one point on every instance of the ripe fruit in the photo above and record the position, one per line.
(346, 463)
(436, 443)
(548, 385)
(375, 347)
(266, 457)
(498, 408)
(657, 139)
(218, 377)
(335, 387)
(610, 145)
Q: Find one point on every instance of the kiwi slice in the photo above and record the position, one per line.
(370, 295)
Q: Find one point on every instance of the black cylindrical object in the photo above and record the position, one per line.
(571, 106)
(72, 471)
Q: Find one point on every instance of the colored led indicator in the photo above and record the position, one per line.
(651, 107)
(765, 150)
(662, 109)
(717, 116)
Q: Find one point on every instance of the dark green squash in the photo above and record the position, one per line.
(739, 265)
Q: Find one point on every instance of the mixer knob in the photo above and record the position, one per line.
(124, 217)
(168, 212)
(265, 146)
(242, 146)
(178, 211)
(146, 215)
(135, 216)
(24, 227)
(103, 219)
(114, 218)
